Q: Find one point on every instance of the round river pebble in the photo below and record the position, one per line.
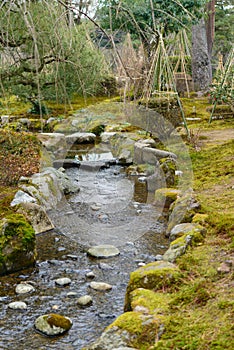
(100, 286)
(18, 305)
(63, 281)
(24, 288)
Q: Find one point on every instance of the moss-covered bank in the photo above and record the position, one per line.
(17, 244)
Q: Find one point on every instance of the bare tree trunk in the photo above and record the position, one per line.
(69, 13)
(210, 25)
(201, 64)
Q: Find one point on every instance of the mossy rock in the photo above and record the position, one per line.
(195, 235)
(165, 196)
(154, 302)
(17, 244)
(187, 228)
(142, 328)
(153, 276)
(182, 210)
(53, 324)
(168, 166)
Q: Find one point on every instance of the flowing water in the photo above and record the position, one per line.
(110, 208)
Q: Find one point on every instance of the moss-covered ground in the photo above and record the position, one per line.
(199, 313)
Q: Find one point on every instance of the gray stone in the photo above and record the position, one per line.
(49, 187)
(101, 286)
(125, 157)
(24, 288)
(90, 274)
(81, 137)
(181, 229)
(159, 257)
(66, 163)
(72, 295)
(107, 136)
(22, 197)
(174, 252)
(5, 119)
(105, 266)
(63, 282)
(224, 268)
(24, 121)
(103, 251)
(95, 207)
(85, 300)
(145, 154)
(53, 141)
(111, 339)
(18, 305)
(182, 210)
(53, 324)
(37, 217)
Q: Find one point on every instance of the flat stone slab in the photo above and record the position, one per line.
(66, 163)
(103, 251)
(81, 137)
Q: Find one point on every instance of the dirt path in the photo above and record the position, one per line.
(216, 137)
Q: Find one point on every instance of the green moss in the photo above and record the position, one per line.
(58, 321)
(143, 329)
(164, 193)
(155, 276)
(16, 225)
(146, 168)
(200, 218)
(196, 108)
(155, 302)
(197, 235)
(17, 244)
(130, 321)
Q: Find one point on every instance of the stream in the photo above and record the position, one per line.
(111, 208)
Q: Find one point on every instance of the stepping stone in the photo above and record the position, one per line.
(100, 286)
(103, 251)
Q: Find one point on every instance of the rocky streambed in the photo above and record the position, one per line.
(103, 204)
(110, 208)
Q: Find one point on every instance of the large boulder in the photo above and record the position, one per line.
(17, 244)
(49, 187)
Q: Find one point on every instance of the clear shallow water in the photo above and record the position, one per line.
(109, 208)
